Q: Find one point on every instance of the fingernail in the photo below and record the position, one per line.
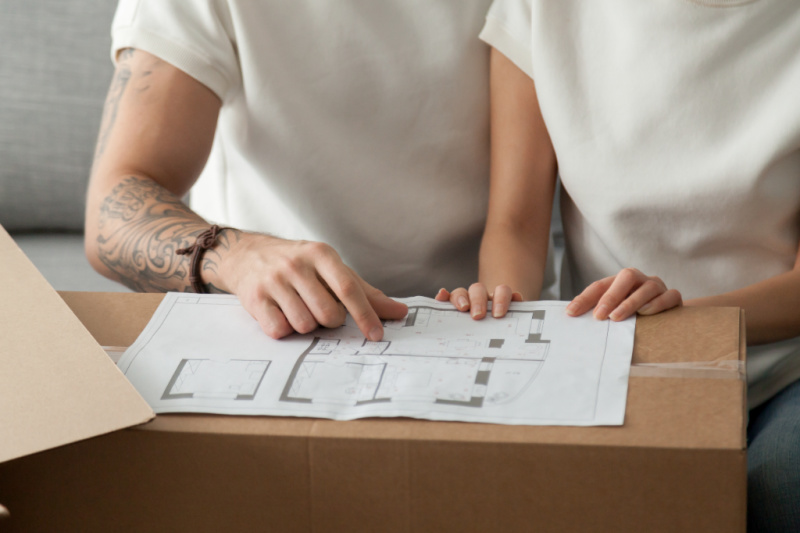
(601, 312)
(462, 302)
(476, 311)
(571, 308)
(497, 310)
(615, 314)
(645, 308)
(375, 334)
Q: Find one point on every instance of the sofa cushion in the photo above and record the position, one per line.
(60, 259)
(54, 74)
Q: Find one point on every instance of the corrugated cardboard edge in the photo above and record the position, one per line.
(743, 361)
(57, 385)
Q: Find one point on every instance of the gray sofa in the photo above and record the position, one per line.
(54, 74)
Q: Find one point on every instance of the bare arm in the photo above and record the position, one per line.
(156, 134)
(523, 176)
(771, 307)
(151, 149)
(514, 247)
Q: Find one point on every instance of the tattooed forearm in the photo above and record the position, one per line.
(141, 225)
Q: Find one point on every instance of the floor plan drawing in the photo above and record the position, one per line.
(536, 365)
(204, 378)
(519, 333)
(491, 362)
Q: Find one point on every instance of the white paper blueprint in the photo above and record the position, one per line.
(536, 366)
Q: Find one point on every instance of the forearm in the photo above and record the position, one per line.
(523, 178)
(772, 307)
(133, 234)
(507, 257)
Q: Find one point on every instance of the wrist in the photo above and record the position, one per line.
(215, 272)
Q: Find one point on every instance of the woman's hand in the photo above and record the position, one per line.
(476, 298)
(618, 297)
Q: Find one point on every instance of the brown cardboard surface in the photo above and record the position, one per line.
(56, 385)
(164, 481)
(678, 463)
(662, 412)
(713, 331)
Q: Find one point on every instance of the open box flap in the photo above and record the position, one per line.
(57, 385)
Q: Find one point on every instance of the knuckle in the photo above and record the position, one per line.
(651, 284)
(306, 325)
(273, 330)
(477, 287)
(291, 264)
(330, 320)
(269, 279)
(347, 288)
(330, 315)
(373, 292)
(319, 249)
(606, 301)
(675, 294)
(251, 300)
(626, 307)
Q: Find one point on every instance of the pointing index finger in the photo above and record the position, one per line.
(347, 286)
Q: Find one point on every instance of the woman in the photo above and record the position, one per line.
(675, 128)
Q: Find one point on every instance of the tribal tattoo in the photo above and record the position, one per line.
(141, 226)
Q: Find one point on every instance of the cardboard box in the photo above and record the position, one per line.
(678, 463)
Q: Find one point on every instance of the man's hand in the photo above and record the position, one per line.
(293, 286)
(157, 130)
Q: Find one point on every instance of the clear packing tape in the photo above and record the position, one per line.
(728, 369)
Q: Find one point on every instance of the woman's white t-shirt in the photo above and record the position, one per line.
(676, 125)
(359, 123)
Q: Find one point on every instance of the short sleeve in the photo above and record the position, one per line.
(195, 37)
(508, 29)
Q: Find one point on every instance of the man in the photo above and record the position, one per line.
(347, 143)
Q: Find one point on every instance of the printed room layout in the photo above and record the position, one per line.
(491, 364)
(205, 378)
(537, 365)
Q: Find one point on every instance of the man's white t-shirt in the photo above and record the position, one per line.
(359, 123)
(676, 125)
